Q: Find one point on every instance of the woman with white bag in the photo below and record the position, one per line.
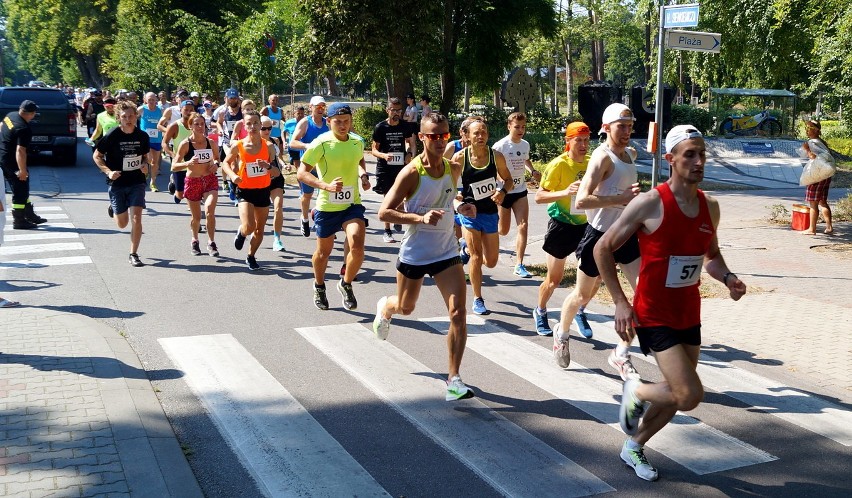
(816, 194)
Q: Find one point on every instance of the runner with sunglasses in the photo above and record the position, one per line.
(426, 191)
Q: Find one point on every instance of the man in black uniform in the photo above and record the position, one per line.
(15, 135)
(122, 156)
(389, 138)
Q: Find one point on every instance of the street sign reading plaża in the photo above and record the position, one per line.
(694, 40)
(680, 16)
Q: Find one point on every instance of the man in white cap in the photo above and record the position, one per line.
(676, 227)
(309, 128)
(609, 184)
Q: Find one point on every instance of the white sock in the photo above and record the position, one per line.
(564, 334)
(302, 219)
(621, 350)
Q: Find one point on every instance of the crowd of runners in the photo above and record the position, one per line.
(454, 200)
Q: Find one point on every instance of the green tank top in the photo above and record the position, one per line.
(107, 122)
(182, 133)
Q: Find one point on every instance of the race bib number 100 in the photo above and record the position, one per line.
(484, 188)
(204, 155)
(131, 163)
(684, 271)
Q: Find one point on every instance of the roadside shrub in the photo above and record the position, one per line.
(364, 119)
(842, 209)
(695, 116)
(778, 214)
(544, 146)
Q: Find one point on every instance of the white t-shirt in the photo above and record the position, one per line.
(516, 154)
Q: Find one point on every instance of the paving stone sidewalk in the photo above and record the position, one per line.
(78, 416)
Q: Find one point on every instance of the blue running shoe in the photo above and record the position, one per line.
(542, 327)
(463, 254)
(521, 271)
(479, 306)
(583, 324)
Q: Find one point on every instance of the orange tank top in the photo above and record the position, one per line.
(253, 175)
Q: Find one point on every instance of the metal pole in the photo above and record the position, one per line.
(658, 106)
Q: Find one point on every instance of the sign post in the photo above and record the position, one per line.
(676, 16)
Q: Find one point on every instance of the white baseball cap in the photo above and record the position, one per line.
(317, 99)
(616, 112)
(680, 133)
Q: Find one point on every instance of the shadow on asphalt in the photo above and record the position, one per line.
(91, 366)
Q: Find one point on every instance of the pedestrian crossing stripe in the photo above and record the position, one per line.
(41, 236)
(809, 412)
(41, 248)
(281, 444)
(64, 226)
(501, 453)
(687, 441)
(30, 263)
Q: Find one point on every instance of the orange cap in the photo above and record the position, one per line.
(576, 129)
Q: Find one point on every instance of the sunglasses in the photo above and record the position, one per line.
(265, 128)
(436, 136)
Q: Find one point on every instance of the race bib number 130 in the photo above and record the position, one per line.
(345, 196)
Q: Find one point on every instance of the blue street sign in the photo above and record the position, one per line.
(681, 16)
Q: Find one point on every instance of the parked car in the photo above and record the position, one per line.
(36, 83)
(55, 124)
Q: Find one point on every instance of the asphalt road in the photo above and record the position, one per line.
(377, 418)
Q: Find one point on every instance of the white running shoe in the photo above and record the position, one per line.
(637, 460)
(381, 325)
(456, 390)
(560, 348)
(624, 366)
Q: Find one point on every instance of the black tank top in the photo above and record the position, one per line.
(191, 151)
(480, 182)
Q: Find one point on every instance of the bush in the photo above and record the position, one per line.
(364, 119)
(842, 210)
(695, 116)
(544, 146)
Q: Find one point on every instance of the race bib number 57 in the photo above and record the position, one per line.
(684, 271)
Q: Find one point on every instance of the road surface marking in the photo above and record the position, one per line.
(281, 444)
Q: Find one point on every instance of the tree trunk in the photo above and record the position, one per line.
(452, 13)
(333, 89)
(498, 101)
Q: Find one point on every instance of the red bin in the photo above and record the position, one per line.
(801, 217)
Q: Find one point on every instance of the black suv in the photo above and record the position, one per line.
(55, 124)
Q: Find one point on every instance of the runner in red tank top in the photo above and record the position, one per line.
(676, 224)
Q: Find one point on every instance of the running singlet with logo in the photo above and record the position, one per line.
(391, 139)
(313, 132)
(672, 258)
(424, 244)
(480, 183)
(125, 152)
(276, 121)
(148, 123)
(334, 158)
(253, 175)
(622, 177)
(560, 173)
(517, 155)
